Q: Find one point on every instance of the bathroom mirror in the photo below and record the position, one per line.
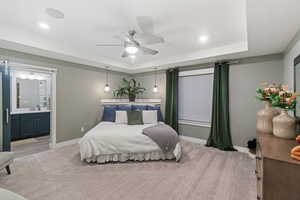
(30, 91)
(297, 83)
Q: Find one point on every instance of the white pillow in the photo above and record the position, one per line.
(121, 117)
(150, 116)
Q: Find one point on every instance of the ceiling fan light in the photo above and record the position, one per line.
(131, 49)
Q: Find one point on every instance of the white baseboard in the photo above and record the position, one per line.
(65, 143)
(193, 139)
(203, 142)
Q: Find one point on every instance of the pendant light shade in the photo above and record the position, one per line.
(155, 88)
(106, 87)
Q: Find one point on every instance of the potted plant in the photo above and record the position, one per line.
(264, 119)
(129, 88)
(284, 124)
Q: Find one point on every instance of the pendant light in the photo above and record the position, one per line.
(106, 87)
(155, 88)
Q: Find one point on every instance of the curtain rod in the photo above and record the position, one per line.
(208, 65)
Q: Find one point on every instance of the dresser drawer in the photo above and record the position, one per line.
(259, 172)
(259, 160)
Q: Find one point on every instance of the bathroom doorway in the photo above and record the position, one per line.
(32, 113)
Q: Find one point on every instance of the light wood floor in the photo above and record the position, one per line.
(30, 146)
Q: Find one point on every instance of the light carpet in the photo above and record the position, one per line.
(203, 174)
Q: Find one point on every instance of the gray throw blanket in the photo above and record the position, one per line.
(163, 135)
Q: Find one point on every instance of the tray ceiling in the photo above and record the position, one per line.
(229, 27)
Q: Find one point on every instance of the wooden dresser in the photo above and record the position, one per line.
(278, 175)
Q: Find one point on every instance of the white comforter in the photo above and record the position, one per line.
(111, 139)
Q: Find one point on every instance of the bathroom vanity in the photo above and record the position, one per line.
(30, 124)
(30, 104)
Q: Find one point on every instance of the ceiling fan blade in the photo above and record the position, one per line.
(124, 54)
(148, 51)
(118, 37)
(109, 45)
(146, 24)
(147, 38)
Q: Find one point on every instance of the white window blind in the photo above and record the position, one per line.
(195, 96)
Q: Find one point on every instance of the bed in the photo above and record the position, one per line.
(112, 142)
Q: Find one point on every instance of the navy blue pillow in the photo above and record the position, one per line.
(139, 107)
(159, 115)
(109, 113)
(124, 107)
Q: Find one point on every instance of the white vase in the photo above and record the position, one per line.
(284, 125)
(264, 118)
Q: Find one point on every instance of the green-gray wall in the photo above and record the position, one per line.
(244, 79)
(291, 53)
(79, 91)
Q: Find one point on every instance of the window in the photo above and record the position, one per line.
(195, 97)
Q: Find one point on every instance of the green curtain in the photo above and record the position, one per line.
(171, 112)
(220, 136)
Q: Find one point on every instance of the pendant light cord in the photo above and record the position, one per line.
(155, 76)
(106, 75)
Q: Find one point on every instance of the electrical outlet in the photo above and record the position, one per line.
(82, 129)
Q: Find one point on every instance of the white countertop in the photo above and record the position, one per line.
(28, 111)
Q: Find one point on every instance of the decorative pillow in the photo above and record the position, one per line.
(135, 117)
(109, 113)
(139, 107)
(159, 115)
(150, 116)
(124, 107)
(121, 117)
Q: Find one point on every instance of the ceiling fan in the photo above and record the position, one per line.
(133, 42)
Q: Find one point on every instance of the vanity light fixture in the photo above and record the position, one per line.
(23, 76)
(155, 88)
(106, 87)
(30, 76)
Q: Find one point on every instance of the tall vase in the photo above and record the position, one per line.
(284, 125)
(264, 118)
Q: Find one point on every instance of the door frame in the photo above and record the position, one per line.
(53, 74)
(6, 106)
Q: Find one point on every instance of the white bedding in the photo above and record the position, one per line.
(109, 141)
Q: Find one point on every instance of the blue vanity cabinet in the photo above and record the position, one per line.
(15, 127)
(29, 125)
(42, 124)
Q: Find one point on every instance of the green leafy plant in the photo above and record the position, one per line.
(285, 99)
(266, 92)
(129, 88)
(278, 95)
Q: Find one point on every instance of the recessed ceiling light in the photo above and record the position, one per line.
(44, 25)
(203, 38)
(55, 13)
